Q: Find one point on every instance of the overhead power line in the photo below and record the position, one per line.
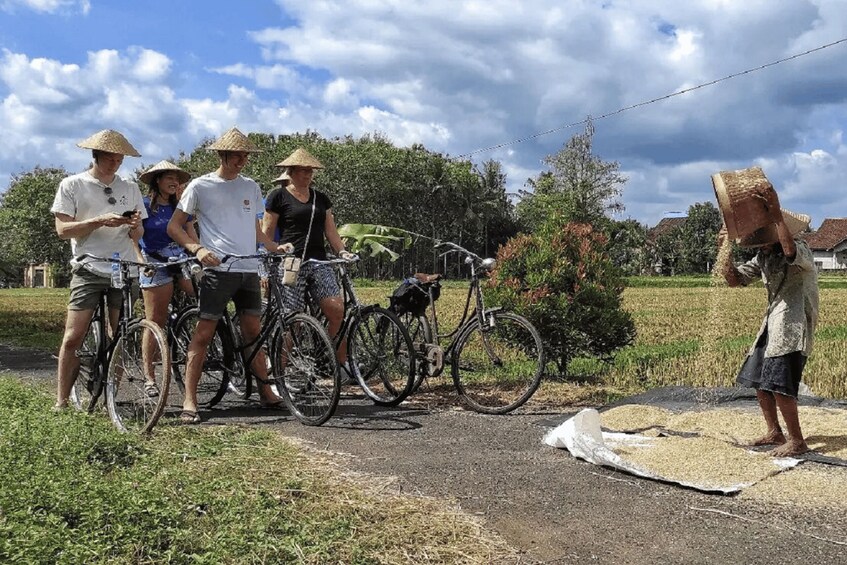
(653, 101)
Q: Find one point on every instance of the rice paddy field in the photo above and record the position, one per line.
(692, 334)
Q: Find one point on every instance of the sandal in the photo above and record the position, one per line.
(190, 417)
(151, 389)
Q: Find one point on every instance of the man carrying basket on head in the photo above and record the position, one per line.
(774, 365)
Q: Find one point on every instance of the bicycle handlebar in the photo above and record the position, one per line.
(334, 261)
(154, 264)
(459, 249)
(266, 255)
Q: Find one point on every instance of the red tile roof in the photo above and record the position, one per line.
(832, 232)
(666, 225)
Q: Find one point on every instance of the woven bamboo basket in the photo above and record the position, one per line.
(739, 195)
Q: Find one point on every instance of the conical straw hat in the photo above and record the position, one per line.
(109, 141)
(234, 140)
(282, 178)
(161, 167)
(796, 223)
(300, 158)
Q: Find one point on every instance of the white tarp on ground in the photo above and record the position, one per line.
(583, 438)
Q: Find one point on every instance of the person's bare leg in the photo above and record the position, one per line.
(156, 302)
(774, 434)
(333, 309)
(196, 357)
(250, 327)
(795, 445)
(76, 325)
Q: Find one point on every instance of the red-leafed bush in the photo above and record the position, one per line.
(563, 281)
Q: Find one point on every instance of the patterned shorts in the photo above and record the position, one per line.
(318, 280)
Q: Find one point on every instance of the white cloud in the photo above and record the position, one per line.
(463, 75)
(48, 6)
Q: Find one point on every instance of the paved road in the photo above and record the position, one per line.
(553, 508)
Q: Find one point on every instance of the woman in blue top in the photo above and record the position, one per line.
(164, 179)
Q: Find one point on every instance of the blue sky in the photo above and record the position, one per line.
(455, 75)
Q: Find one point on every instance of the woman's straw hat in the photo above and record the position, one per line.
(161, 167)
(234, 140)
(109, 141)
(281, 179)
(300, 158)
(796, 223)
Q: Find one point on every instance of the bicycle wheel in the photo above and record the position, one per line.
(498, 367)
(139, 377)
(218, 365)
(420, 332)
(85, 391)
(305, 369)
(239, 383)
(382, 356)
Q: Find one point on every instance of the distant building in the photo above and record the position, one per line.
(661, 265)
(829, 244)
(38, 276)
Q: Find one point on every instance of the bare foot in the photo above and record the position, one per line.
(790, 448)
(772, 438)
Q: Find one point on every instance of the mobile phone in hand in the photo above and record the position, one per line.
(128, 213)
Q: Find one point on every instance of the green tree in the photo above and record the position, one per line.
(27, 228)
(698, 238)
(564, 282)
(579, 185)
(627, 245)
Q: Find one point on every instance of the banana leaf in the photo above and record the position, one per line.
(372, 239)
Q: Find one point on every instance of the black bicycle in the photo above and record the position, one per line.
(496, 357)
(301, 355)
(380, 352)
(132, 364)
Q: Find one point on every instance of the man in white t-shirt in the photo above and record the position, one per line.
(101, 214)
(225, 205)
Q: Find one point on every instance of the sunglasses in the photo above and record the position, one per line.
(108, 191)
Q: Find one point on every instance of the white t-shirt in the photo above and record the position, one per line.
(226, 212)
(83, 197)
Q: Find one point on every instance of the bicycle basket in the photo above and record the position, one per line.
(413, 296)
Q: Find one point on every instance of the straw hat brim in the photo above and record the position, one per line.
(301, 158)
(110, 141)
(284, 177)
(234, 140)
(162, 167)
(796, 223)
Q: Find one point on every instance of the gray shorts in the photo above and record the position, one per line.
(319, 280)
(217, 288)
(87, 287)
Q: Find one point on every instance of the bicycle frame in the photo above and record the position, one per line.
(468, 315)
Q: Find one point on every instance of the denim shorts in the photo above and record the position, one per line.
(87, 287)
(217, 288)
(160, 277)
(320, 282)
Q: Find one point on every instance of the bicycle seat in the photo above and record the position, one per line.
(426, 279)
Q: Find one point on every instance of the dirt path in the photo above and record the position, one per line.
(553, 508)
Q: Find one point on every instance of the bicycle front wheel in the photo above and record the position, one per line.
(305, 369)
(217, 366)
(498, 367)
(139, 377)
(382, 356)
(87, 384)
(420, 331)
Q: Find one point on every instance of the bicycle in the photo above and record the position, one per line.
(133, 365)
(496, 357)
(303, 363)
(379, 350)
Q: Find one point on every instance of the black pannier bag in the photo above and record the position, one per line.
(413, 296)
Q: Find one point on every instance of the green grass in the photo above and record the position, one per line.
(74, 490)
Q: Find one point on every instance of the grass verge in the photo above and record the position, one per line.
(74, 490)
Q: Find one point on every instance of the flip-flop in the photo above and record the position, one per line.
(277, 405)
(190, 417)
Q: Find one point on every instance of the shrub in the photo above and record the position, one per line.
(563, 281)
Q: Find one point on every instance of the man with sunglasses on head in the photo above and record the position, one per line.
(101, 214)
